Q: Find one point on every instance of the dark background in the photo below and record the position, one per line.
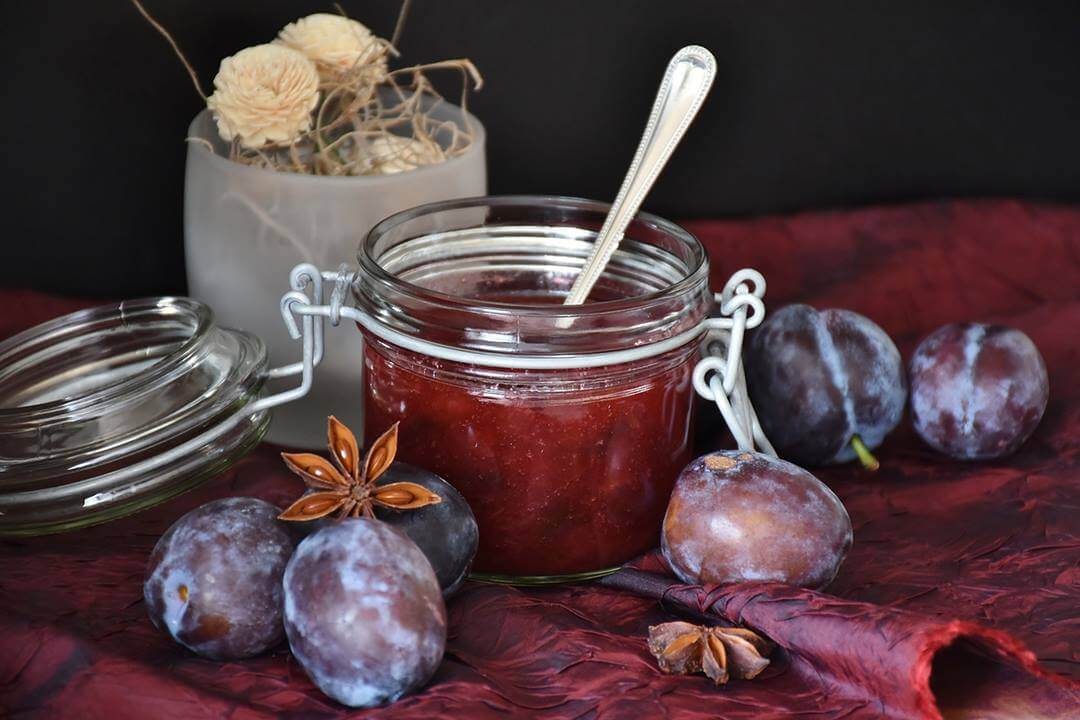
(817, 104)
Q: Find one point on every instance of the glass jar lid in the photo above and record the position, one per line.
(109, 410)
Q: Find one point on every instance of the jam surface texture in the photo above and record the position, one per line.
(567, 471)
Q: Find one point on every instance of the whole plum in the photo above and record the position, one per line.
(738, 516)
(214, 578)
(446, 532)
(363, 612)
(977, 391)
(827, 386)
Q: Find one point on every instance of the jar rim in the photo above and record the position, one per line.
(440, 275)
(371, 266)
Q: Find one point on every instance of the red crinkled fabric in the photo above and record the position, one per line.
(960, 597)
(878, 659)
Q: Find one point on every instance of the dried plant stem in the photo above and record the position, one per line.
(176, 48)
(399, 26)
(201, 141)
(463, 64)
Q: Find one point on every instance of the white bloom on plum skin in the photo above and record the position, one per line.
(977, 391)
(214, 578)
(364, 613)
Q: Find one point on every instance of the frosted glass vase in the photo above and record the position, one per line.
(245, 228)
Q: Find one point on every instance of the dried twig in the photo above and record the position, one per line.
(176, 48)
(399, 26)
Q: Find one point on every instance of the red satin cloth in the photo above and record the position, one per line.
(996, 544)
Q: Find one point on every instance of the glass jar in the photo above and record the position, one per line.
(109, 410)
(566, 426)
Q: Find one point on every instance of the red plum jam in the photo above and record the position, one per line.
(564, 427)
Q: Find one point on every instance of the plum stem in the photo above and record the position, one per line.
(865, 456)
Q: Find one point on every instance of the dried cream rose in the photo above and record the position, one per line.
(264, 94)
(337, 46)
(392, 154)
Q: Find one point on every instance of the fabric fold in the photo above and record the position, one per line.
(908, 664)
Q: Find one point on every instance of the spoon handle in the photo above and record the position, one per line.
(686, 82)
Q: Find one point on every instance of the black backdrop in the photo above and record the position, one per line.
(818, 104)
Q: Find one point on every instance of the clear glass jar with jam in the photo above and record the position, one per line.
(564, 426)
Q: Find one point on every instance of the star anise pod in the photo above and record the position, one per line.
(350, 487)
(721, 652)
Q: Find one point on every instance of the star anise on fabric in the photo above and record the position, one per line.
(349, 488)
(682, 648)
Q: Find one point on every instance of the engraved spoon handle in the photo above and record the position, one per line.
(686, 82)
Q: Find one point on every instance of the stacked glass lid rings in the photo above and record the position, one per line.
(109, 410)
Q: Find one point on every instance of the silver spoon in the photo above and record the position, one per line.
(686, 82)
